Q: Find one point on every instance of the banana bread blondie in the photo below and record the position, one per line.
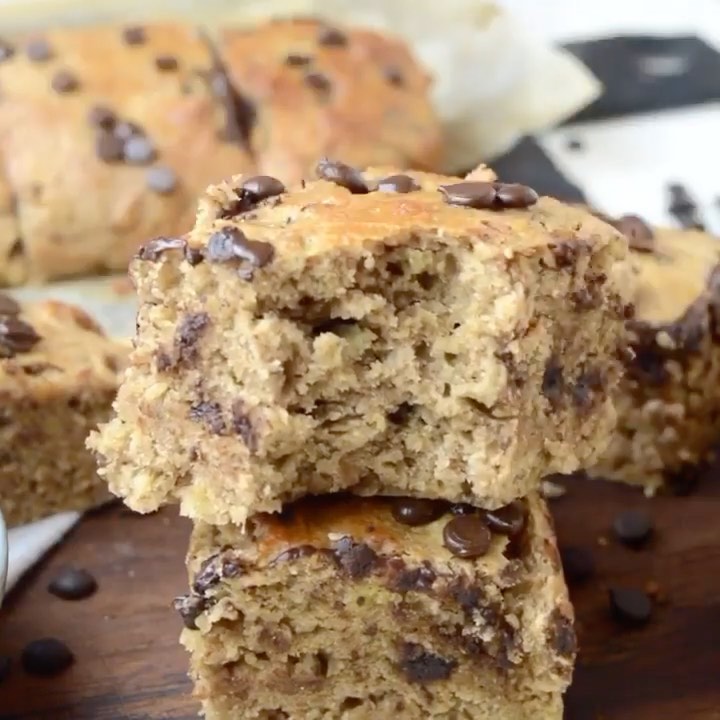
(669, 402)
(364, 608)
(108, 134)
(58, 378)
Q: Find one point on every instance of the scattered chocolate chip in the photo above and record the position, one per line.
(134, 35)
(633, 528)
(231, 244)
(211, 414)
(553, 384)
(357, 559)
(514, 195)
(398, 184)
(467, 536)
(629, 606)
(639, 234)
(508, 520)
(64, 82)
(683, 207)
(39, 50)
(46, 657)
(242, 425)
(101, 117)
(262, 187)
(8, 305)
(394, 76)
(166, 63)
(162, 180)
(578, 563)
(421, 666)
(318, 82)
(109, 147)
(73, 584)
(16, 336)
(343, 175)
(331, 36)
(6, 50)
(190, 607)
(417, 511)
(155, 248)
(125, 129)
(478, 195)
(296, 60)
(138, 150)
(574, 144)
(5, 667)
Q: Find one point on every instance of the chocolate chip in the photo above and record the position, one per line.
(562, 635)
(188, 333)
(190, 607)
(343, 175)
(509, 520)
(637, 231)
(318, 82)
(46, 657)
(398, 184)
(578, 564)
(402, 412)
(209, 413)
(413, 579)
(629, 606)
(262, 187)
(108, 147)
(153, 250)
(683, 207)
(478, 195)
(514, 195)
(73, 584)
(208, 574)
(125, 129)
(294, 553)
(332, 37)
(229, 244)
(587, 384)
(194, 256)
(394, 76)
(463, 509)
(134, 35)
(417, 511)
(101, 117)
(162, 180)
(138, 150)
(357, 559)
(467, 536)
(39, 50)
(296, 60)
(16, 336)
(5, 667)
(553, 383)
(64, 82)
(166, 63)
(421, 666)
(8, 305)
(633, 528)
(6, 50)
(565, 253)
(243, 426)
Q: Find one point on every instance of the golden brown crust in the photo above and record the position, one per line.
(77, 213)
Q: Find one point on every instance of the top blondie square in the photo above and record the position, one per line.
(376, 332)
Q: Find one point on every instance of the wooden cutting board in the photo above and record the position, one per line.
(130, 667)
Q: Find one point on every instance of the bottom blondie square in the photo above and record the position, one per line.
(349, 607)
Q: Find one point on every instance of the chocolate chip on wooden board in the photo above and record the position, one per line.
(73, 584)
(46, 657)
(633, 528)
(629, 606)
(578, 563)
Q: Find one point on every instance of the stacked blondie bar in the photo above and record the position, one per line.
(353, 387)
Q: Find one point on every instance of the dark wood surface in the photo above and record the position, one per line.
(130, 667)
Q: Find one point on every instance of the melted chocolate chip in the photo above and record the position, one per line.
(398, 184)
(417, 511)
(108, 147)
(208, 574)
(166, 63)
(331, 36)
(138, 150)
(102, 117)
(39, 50)
(633, 528)
(565, 253)
(343, 175)
(394, 76)
(296, 60)
(73, 584)
(639, 234)
(629, 606)
(211, 414)
(578, 564)
(318, 82)
(478, 195)
(162, 180)
(156, 248)
(134, 35)
(357, 559)
(421, 666)
(230, 244)
(6, 50)
(194, 256)
(467, 536)
(509, 520)
(188, 333)
(64, 82)
(262, 187)
(514, 195)
(16, 336)
(8, 305)
(190, 607)
(46, 657)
